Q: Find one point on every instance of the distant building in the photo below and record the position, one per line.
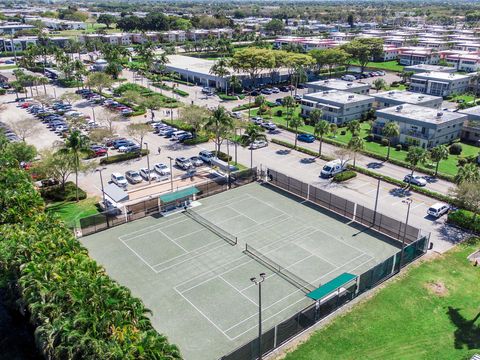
(337, 107)
(420, 126)
(12, 28)
(439, 83)
(398, 97)
(471, 127)
(337, 84)
(421, 68)
(413, 56)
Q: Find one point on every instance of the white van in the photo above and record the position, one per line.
(119, 180)
(176, 135)
(438, 209)
(332, 168)
(348, 77)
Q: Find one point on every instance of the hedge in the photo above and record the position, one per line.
(122, 157)
(56, 193)
(367, 172)
(344, 176)
(199, 139)
(69, 83)
(75, 309)
(222, 156)
(465, 220)
(222, 96)
(179, 125)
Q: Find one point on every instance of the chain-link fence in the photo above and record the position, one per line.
(98, 222)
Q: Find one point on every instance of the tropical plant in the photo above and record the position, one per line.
(295, 123)
(289, 104)
(469, 173)
(220, 69)
(415, 155)
(354, 127)
(321, 129)
(437, 154)
(390, 130)
(220, 123)
(355, 144)
(379, 84)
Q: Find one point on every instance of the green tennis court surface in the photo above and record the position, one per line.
(197, 283)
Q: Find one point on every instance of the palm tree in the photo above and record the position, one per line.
(390, 130)
(296, 122)
(355, 144)
(321, 129)
(76, 144)
(334, 129)
(289, 103)
(468, 173)
(219, 123)
(220, 69)
(234, 83)
(437, 154)
(415, 156)
(315, 116)
(354, 127)
(379, 84)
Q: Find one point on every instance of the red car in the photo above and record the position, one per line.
(98, 151)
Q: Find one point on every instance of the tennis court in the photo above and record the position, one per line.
(196, 278)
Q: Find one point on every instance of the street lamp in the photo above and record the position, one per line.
(171, 173)
(99, 170)
(259, 283)
(148, 164)
(407, 201)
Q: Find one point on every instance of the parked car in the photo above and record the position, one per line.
(308, 138)
(332, 168)
(284, 88)
(438, 209)
(183, 163)
(179, 133)
(206, 156)
(133, 177)
(415, 180)
(148, 174)
(119, 180)
(275, 90)
(269, 125)
(266, 91)
(184, 137)
(258, 120)
(255, 93)
(298, 97)
(196, 161)
(257, 144)
(98, 150)
(131, 148)
(162, 169)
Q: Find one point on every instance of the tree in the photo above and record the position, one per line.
(253, 132)
(354, 127)
(260, 100)
(106, 19)
(390, 130)
(24, 128)
(379, 84)
(415, 156)
(98, 81)
(296, 122)
(321, 129)
(355, 145)
(467, 173)
(114, 69)
(20, 151)
(334, 129)
(364, 50)
(275, 26)
(195, 116)
(351, 21)
(289, 104)
(151, 103)
(70, 97)
(220, 123)
(57, 165)
(467, 195)
(138, 132)
(437, 154)
(220, 69)
(76, 144)
(406, 75)
(235, 84)
(146, 52)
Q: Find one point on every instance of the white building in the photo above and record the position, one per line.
(414, 56)
(356, 87)
(398, 97)
(421, 68)
(337, 107)
(439, 83)
(420, 126)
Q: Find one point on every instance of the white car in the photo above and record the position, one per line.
(258, 120)
(196, 161)
(161, 169)
(257, 144)
(148, 174)
(438, 209)
(119, 180)
(269, 125)
(183, 163)
(415, 180)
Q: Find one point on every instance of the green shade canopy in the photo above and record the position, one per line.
(180, 194)
(331, 286)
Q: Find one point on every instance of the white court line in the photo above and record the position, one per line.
(142, 259)
(205, 316)
(312, 254)
(355, 258)
(173, 241)
(245, 296)
(266, 226)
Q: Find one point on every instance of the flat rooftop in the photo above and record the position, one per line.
(406, 96)
(434, 68)
(435, 75)
(341, 97)
(198, 65)
(471, 111)
(421, 113)
(338, 84)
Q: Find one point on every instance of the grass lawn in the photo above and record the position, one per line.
(383, 65)
(8, 67)
(448, 167)
(462, 98)
(432, 312)
(71, 212)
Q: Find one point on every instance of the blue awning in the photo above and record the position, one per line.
(331, 286)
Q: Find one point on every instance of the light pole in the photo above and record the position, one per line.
(99, 170)
(251, 156)
(148, 164)
(259, 283)
(407, 201)
(236, 140)
(376, 202)
(93, 113)
(171, 173)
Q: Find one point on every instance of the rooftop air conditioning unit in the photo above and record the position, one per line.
(351, 96)
(399, 108)
(440, 114)
(421, 97)
(391, 92)
(349, 84)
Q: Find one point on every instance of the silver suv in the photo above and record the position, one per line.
(183, 163)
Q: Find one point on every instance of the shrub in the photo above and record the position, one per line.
(398, 147)
(197, 140)
(222, 156)
(279, 113)
(122, 157)
(245, 107)
(405, 147)
(344, 176)
(343, 132)
(180, 92)
(56, 193)
(369, 137)
(69, 83)
(464, 219)
(461, 161)
(384, 142)
(179, 125)
(3, 91)
(226, 97)
(455, 149)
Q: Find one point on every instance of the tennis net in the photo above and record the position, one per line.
(281, 271)
(232, 240)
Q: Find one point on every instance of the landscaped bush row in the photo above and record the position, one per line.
(199, 139)
(56, 193)
(344, 176)
(179, 125)
(252, 105)
(465, 220)
(222, 156)
(170, 88)
(76, 309)
(122, 157)
(226, 97)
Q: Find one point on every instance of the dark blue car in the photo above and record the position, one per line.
(306, 138)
